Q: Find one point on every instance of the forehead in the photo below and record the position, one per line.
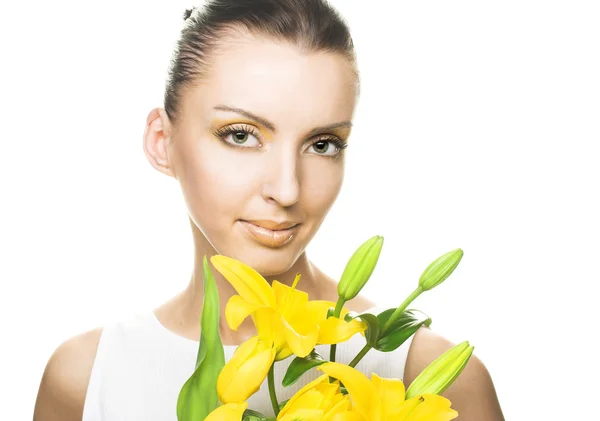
(277, 80)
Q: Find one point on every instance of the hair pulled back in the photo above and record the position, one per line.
(311, 25)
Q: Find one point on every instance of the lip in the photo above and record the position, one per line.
(272, 225)
(281, 233)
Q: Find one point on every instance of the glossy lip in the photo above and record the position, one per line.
(271, 237)
(272, 225)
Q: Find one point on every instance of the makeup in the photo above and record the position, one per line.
(269, 237)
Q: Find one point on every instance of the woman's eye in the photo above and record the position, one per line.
(325, 147)
(241, 138)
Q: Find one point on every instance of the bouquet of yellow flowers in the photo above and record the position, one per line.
(287, 324)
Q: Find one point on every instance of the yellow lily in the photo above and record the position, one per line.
(228, 412)
(319, 400)
(281, 314)
(243, 374)
(381, 399)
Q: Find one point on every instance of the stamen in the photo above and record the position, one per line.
(296, 281)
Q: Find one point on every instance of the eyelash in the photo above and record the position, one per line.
(226, 131)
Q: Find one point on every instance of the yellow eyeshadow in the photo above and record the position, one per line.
(219, 123)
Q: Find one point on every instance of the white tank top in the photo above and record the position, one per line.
(140, 367)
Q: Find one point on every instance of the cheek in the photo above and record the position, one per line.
(215, 185)
(321, 183)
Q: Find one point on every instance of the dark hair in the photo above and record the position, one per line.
(311, 25)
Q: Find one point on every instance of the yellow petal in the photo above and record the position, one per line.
(270, 328)
(391, 393)
(346, 416)
(300, 343)
(311, 399)
(329, 391)
(316, 310)
(228, 412)
(288, 299)
(334, 330)
(283, 353)
(292, 403)
(364, 395)
(241, 354)
(250, 284)
(245, 375)
(342, 406)
(303, 415)
(428, 407)
(236, 311)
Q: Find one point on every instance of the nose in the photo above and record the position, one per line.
(282, 184)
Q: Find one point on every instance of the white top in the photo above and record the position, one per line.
(140, 367)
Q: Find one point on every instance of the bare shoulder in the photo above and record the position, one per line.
(65, 379)
(472, 394)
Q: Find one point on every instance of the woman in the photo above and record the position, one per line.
(257, 112)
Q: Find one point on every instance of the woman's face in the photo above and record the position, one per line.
(258, 141)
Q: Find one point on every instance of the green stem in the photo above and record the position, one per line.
(271, 380)
(360, 355)
(400, 310)
(336, 313)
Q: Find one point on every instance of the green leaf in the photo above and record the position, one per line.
(198, 396)
(372, 332)
(403, 328)
(251, 415)
(299, 366)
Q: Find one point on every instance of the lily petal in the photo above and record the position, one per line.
(250, 284)
(236, 311)
(303, 415)
(431, 408)
(245, 372)
(342, 406)
(300, 343)
(334, 330)
(346, 416)
(311, 399)
(288, 298)
(316, 310)
(363, 393)
(228, 412)
(391, 393)
(291, 404)
(270, 328)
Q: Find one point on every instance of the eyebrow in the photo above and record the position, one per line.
(272, 126)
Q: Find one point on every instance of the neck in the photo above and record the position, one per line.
(189, 302)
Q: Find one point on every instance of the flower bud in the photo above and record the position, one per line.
(440, 374)
(228, 412)
(245, 371)
(359, 268)
(440, 269)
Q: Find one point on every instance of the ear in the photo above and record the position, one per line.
(157, 136)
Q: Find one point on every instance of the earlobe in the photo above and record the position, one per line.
(156, 141)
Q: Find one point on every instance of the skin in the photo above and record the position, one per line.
(281, 175)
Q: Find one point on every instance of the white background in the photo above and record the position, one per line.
(477, 128)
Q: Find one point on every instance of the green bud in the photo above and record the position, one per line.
(440, 374)
(440, 269)
(359, 268)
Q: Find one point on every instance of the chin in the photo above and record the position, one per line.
(266, 261)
